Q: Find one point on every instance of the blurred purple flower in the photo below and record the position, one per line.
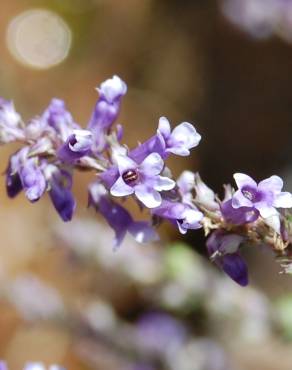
(119, 218)
(265, 196)
(10, 123)
(25, 173)
(159, 332)
(33, 366)
(142, 180)
(223, 249)
(60, 185)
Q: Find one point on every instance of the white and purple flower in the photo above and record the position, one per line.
(265, 196)
(77, 145)
(181, 139)
(143, 179)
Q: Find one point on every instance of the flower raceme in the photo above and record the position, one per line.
(54, 146)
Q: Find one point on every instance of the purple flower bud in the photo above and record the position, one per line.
(184, 216)
(204, 195)
(143, 179)
(238, 216)
(119, 218)
(107, 109)
(223, 249)
(58, 118)
(10, 122)
(265, 196)
(60, 185)
(32, 179)
(76, 146)
(155, 144)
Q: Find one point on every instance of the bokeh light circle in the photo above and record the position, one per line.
(39, 38)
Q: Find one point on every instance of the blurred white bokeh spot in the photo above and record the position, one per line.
(39, 38)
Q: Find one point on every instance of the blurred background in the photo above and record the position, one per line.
(66, 297)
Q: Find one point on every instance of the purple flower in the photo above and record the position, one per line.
(59, 119)
(183, 138)
(32, 179)
(238, 216)
(76, 146)
(119, 218)
(60, 185)
(265, 196)
(177, 206)
(143, 179)
(223, 249)
(159, 332)
(179, 141)
(33, 366)
(184, 216)
(10, 122)
(3, 365)
(25, 173)
(107, 109)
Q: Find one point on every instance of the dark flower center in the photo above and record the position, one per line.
(130, 177)
(251, 194)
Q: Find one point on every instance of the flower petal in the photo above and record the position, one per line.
(163, 183)
(148, 196)
(124, 163)
(272, 184)
(244, 180)
(152, 165)
(266, 210)
(121, 189)
(239, 200)
(164, 127)
(183, 138)
(283, 200)
(235, 267)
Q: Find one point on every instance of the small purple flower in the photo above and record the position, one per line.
(184, 216)
(223, 249)
(183, 138)
(60, 185)
(179, 141)
(119, 218)
(107, 109)
(33, 180)
(159, 332)
(143, 179)
(25, 173)
(10, 122)
(238, 216)
(265, 196)
(59, 119)
(76, 146)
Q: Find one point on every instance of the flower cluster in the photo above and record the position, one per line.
(54, 146)
(261, 18)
